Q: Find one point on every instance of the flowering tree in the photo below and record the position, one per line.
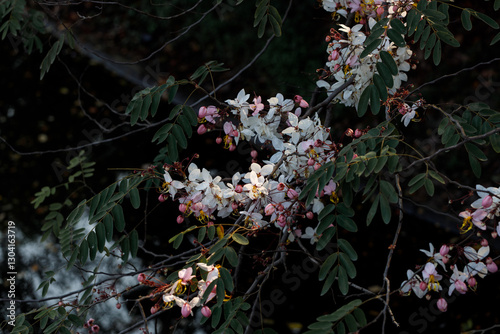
(300, 187)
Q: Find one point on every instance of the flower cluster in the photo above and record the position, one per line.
(482, 210)
(187, 292)
(265, 195)
(465, 263)
(344, 62)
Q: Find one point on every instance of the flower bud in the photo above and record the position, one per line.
(254, 154)
(186, 310)
(182, 207)
(218, 140)
(141, 278)
(281, 186)
(487, 201)
(118, 305)
(269, 209)
(491, 265)
(292, 193)
(442, 305)
(201, 129)
(206, 311)
(423, 286)
(358, 133)
(349, 132)
(444, 250)
(317, 166)
(281, 221)
(202, 112)
(154, 309)
(460, 286)
(309, 215)
(238, 189)
(95, 329)
(234, 205)
(310, 162)
(380, 10)
(297, 98)
(90, 322)
(472, 282)
(162, 198)
(232, 148)
(180, 219)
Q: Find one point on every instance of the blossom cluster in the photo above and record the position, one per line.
(187, 292)
(363, 9)
(344, 62)
(464, 262)
(268, 193)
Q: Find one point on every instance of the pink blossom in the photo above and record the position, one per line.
(472, 282)
(269, 209)
(202, 112)
(422, 286)
(309, 215)
(380, 10)
(257, 106)
(186, 310)
(180, 219)
(444, 250)
(162, 198)
(487, 201)
(442, 305)
(254, 154)
(491, 265)
(141, 278)
(292, 193)
(330, 188)
(201, 129)
(476, 217)
(95, 329)
(206, 311)
(211, 114)
(185, 275)
(460, 286)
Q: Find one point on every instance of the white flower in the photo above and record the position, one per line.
(436, 256)
(172, 185)
(240, 101)
(310, 233)
(413, 283)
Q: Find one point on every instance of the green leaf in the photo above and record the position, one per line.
(119, 218)
(179, 135)
(363, 101)
(276, 25)
(242, 240)
(135, 198)
(372, 45)
(398, 26)
(347, 223)
(325, 238)
(92, 241)
(379, 83)
(345, 246)
(108, 224)
(374, 100)
(84, 251)
(262, 27)
(231, 256)
(435, 15)
(343, 281)
(495, 142)
(476, 152)
(327, 265)
(125, 246)
(389, 62)
(329, 280)
(373, 210)
(226, 278)
(385, 209)
(51, 56)
(146, 103)
(385, 73)
(466, 22)
(475, 165)
(436, 54)
(100, 231)
(190, 115)
(396, 38)
(495, 39)
(134, 243)
(429, 187)
(486, 19)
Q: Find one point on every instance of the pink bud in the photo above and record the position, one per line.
(297, 98)
(202, 112)
(380, 10)
(445, 259)
(201, 129)
(303, 104)
(235, 133)
(186, 310)
(180, 219)
(444, 250)
(162, 198)
(423, 286)
(269, 209)
(358, 133)
(490, 265)
(95, 329)
(234, 205)
(335, 55)
(349, 132)
(182, 207)
(206, 311)
(487, 201)
(309, 215)
(218, 140)
(292, 193)
(317, 166)
(254, 154)
(232, 148)
(318, 143)
(281, 221)
(460, 286)
(310, 162)
(280, 207)
(141, 278)
(238, 189)
(90, 322)
(154, 309)
(281, 186)
(442, 305)
(336, 68)
(472, 282)
(118, 305)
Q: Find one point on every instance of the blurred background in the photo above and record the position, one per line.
(120, 49)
